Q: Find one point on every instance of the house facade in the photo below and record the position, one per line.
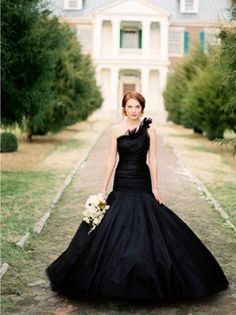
(134, 43)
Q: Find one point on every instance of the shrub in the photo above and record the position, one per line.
(178, 83)
(204, 103)
(9, 142)
(173, 95)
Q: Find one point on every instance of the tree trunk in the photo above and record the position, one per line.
(28, 133)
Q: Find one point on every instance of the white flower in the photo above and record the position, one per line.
(95, 208)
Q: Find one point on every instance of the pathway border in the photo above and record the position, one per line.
(201, 187)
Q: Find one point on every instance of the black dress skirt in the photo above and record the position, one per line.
(141, 249)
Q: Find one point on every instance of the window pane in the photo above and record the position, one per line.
(72, 3)
(202, 40)
(175, 42)
(85, 38)
(189, 5)
(130, 39)
(186, 42)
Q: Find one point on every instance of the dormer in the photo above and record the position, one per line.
(189, 6)
(73, 4)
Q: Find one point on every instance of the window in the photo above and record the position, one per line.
(84, 36)
(202, 41)
(131, 38)
(176, 40)
(189, 6)
(186, 43)
(73, 4)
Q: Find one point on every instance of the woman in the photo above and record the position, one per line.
(141, 249)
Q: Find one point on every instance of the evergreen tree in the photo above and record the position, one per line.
(227, 60)
(204, 101)
(177, 86)
(46, 82)
(31, 42)
(74, 86)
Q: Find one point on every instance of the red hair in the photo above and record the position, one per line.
(133, 95)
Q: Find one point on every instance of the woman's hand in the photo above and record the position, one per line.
(104, 193)
(156, 193)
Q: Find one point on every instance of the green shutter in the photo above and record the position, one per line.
(186, 43)
(121, 38)
(202, 40)
(140, 39)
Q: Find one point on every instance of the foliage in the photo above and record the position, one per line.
(173, 95)
(227, 63)
(46, 82)
(177, 84)
(201, 92)
(74, 86)
(16, 23)
(203, 103)
(9, 142)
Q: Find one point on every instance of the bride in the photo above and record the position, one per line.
(141, 249)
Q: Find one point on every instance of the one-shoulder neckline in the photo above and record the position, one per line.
(135, 130)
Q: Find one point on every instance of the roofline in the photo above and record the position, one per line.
(117, 2)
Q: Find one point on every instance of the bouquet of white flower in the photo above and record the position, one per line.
(95, 208)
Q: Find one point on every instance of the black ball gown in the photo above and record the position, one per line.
(141, 249)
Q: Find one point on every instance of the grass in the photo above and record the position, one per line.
(72, 144)
(26, 195)
(201, 148)
(225, 193)
(21, 265)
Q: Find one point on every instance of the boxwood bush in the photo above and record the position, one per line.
(9, 142)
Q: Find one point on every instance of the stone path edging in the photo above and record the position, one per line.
(202, 188)
(3, 269)
(39, 225)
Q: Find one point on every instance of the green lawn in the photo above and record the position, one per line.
(225, 193)
(26, 196)
(72, 144)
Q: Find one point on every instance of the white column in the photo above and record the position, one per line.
(145, 82)
(97, 37)
(98, 75)
(114, 88)
(164, 32)
(161, 108)
(115, 37)
(163, 77)
(146, 36)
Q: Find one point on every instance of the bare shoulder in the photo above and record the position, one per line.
(151, 130)
(117, 129)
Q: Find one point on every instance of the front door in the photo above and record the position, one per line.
(128, 87)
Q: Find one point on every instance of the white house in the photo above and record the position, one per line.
(133, 43)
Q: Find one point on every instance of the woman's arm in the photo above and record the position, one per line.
(153, 162)
(111, 160)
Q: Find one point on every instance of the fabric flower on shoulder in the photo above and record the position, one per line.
(146, 122)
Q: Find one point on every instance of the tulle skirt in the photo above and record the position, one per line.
(140, 250)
